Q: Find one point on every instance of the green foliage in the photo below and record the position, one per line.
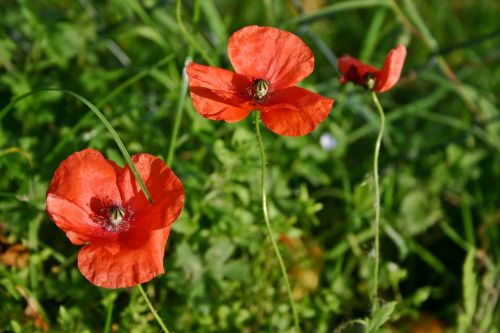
(380, 317)
(439, 165)
(470, 289)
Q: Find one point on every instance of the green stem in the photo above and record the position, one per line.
(188, 36)
(155, 314)
(109, 317)
(268, 224)
(376, 226)
(415, 23)
(118, 141)
(113, 94)
(183, 91)
(101, 117)
(178, 114)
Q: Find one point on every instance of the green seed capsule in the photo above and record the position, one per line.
(260, 88)
(116, 214)
(370, 81)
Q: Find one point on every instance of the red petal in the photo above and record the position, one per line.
(77, 224)
(82, 177)
(295, 111)
(391, 71)
(132, 265)
(353, 70)
(218, 94)
(274, 55)
(165, 188)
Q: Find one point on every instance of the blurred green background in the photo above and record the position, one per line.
(439, 165)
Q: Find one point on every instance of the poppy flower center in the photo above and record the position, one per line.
(116, 214)
(259, 89)
(112, 216)
(370, 81)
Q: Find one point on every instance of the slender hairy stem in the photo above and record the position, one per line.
(148, 302)
(268, 224)
(376, 225)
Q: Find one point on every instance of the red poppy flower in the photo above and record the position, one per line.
(101, 206)
(268, 63)
(380, 81)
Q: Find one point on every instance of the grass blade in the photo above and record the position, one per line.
(380, 317)
(337, 8)
(470, 291)
(101, 117)
(178, 113)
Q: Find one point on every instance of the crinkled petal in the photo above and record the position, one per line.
(274, 55)
(81, 179)
(295, 111)
(353, 70)
(135, 263)
(75, 221)
(164, 187)
(218, 94)
(83, 175)
(391, 71)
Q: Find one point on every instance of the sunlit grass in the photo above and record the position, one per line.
(438, 167)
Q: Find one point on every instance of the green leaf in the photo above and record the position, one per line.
(214, 20)
(470, 293)
(220, 251)
(189, 261)
(380, 316)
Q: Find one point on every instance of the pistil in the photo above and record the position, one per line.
(260, 89)
(116, 214)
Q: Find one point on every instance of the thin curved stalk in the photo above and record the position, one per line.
(109, 317)
(376, 225)
(152, 309)
(113, 94)
(102, 118)
(268, 224)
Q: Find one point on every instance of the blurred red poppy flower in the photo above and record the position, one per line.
(101, 206)
(353, 70)
(268, 63)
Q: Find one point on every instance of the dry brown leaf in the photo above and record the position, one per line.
(32, 311)
(306, 281)
(305, 262)
(427, 325)
(16, 255)
(312, 5)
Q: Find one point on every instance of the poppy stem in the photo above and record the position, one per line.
(376, 226)
(152, 309)
(268, 224)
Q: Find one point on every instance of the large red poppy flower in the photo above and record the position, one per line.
(380, 81)
(268, 63)
(101, 206)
